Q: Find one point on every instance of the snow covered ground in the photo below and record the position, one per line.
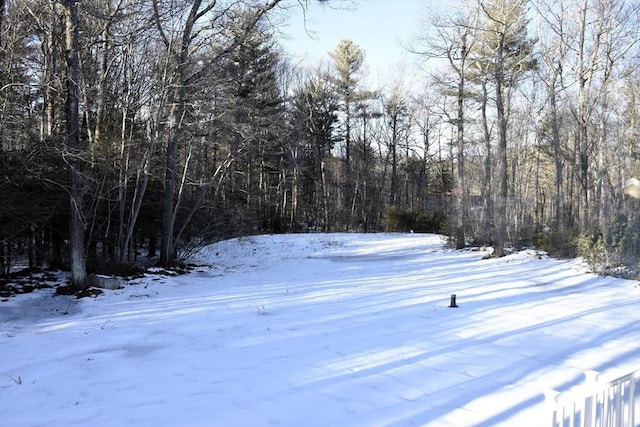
(319, 330)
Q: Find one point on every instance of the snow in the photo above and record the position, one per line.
(319, 330)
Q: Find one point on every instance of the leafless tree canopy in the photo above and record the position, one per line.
(134, 130)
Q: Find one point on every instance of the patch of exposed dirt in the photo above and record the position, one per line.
(29, 280)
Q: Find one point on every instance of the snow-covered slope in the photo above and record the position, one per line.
(319, 330)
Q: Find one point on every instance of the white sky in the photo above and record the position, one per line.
(379, 27)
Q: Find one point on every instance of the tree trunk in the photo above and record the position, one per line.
(167, 244)
(48, 72)
(461, 193)
(72, 140)
(2, 12)
(557, 155)
(176, 100)
(394, 160)
(348, 186)
(487, 193)
(501, 199)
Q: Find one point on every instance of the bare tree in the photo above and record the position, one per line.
(507, 51)
(181, 44)
(135, 153)
(72, 147)
(554, 44)
(605, 32)
(452, 40)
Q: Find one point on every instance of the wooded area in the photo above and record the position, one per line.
(151, 127)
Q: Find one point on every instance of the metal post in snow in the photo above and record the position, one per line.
(453, 301)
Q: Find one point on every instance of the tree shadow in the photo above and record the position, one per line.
(38, 306)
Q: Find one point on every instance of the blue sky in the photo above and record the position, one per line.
(379, 27)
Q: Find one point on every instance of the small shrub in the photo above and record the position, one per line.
(594, 251)
(121, 269)
(404, 220)
(631, 241)
(616, 229)
(557, 244)
(616, 252)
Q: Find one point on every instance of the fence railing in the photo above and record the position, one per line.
(598, 404)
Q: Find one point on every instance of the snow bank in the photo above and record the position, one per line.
(318, 330)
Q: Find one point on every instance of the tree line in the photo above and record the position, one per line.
(152, 127)
(544, 97)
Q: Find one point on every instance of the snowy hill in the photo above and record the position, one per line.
(319, 330)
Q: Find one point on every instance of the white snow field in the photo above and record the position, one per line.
(326, 330)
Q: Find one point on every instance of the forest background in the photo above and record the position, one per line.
(148, 128)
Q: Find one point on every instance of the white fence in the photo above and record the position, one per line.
(601, 404)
